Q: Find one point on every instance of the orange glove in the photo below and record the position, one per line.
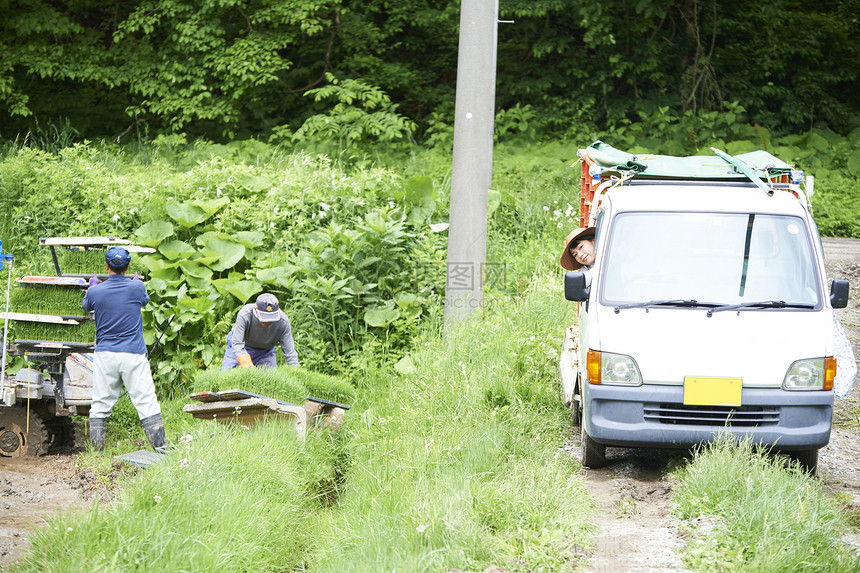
(245, 361)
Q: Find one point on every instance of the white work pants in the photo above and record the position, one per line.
(110, 371)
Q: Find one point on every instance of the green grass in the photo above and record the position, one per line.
(766, 517)
(458, 464)
(225, 500)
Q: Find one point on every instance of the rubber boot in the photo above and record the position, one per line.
(153, 427)
(97, 433)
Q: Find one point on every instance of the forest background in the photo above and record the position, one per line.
(304, 147)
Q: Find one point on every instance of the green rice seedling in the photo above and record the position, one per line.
(768, 518)
(274, 383)
(91, 260)
(47, 299)
(286, 383)
(83, 332)
(80, 260)
(324, 386)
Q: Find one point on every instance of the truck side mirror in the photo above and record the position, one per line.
(838, 293)
(574, 287)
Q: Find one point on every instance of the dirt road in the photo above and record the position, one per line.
(637, 533)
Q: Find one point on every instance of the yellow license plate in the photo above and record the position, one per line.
(700, 391)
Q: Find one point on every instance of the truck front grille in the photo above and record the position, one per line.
(711, 415)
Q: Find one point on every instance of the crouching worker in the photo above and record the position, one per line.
(259, 327)
(120, 352)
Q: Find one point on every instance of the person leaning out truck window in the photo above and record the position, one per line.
(578, 254)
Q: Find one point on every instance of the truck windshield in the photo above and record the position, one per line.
(711, 258)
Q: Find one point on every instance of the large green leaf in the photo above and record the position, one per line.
(199, 284)
(405, 365)
(241, 289)
(174, 250)
(250, 239)
(419, 194)
(381, 316)
(195, 269)
(282, 276)
(156, 284)
(162, 269)
(229, 251)
(186, 214)
(253, 182)
(206, 257)
(197, 304)
(210, 206)
(152, 233)
(170, 275)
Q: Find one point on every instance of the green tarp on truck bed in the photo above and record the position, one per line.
(761, 163)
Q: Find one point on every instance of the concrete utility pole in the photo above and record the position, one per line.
(472, 171)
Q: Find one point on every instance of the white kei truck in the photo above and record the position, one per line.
(707, 310)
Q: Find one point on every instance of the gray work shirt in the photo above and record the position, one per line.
(249, 332)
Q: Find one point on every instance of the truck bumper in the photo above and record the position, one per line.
(655, 416)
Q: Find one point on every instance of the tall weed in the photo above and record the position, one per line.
(457, 464)
(766, 517)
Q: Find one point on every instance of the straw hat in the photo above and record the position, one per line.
(567, 261)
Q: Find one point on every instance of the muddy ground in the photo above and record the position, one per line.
(32, 489)
(636, 530)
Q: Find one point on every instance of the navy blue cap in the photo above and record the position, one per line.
(267, 308)
(117, 258)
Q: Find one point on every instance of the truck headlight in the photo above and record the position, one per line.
(609, 368)
(811, 374)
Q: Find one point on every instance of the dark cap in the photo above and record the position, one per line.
(117, 258)
(267, 308)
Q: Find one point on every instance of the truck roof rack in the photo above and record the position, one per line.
(604, 166)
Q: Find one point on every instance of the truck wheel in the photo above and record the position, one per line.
(808, 460)
(593, 454)
(15, 439)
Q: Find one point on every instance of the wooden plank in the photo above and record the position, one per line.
(46, 318)
(249, 412)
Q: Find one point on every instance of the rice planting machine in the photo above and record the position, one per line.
(51, 333)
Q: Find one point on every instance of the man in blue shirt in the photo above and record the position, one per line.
(120, 353)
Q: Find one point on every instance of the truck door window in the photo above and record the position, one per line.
(718, 258)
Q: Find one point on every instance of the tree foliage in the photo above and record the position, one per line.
(231, 68)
